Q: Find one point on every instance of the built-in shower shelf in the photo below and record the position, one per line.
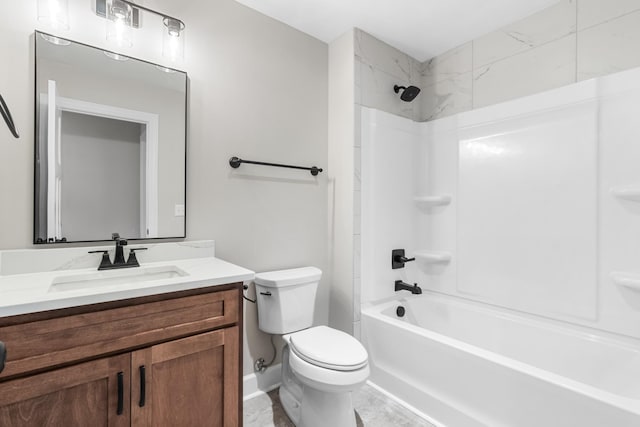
(627, 193)
(626, 280)
(429, 201)
(433, 257)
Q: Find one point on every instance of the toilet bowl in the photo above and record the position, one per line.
(321, 366)
(319, 376)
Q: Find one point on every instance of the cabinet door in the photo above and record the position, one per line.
(87, 394)
(188, 382)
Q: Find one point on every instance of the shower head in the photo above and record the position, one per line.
(408, 93)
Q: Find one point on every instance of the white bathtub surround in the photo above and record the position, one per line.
(39, 280)
(489, 366)
(527, 207)
(539, 212)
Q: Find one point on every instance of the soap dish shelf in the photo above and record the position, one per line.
(627, 193)
(626, 280)
(433, 257)
(431, 201)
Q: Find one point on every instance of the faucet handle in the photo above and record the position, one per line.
(133, 260)
(105, 262)
(115, 236)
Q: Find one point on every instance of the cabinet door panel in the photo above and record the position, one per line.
(190, 382)
(81, 395)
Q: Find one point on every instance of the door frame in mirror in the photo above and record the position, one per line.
(148, 154)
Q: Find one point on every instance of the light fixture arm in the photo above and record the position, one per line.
(155, 12)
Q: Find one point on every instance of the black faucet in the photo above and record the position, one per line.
(401, 286)
(118, 260)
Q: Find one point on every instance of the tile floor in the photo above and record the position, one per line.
(373, 409)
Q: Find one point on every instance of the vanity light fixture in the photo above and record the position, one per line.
(123, 15)
(54, 13)
(119, 23)
(173, 39)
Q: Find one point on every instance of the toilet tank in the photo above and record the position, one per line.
(286, 299)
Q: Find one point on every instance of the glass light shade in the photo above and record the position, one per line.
(173, 40)
(54, 13)
(119, 24)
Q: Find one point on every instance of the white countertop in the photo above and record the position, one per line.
(32, 292)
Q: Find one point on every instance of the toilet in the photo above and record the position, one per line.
(321, 366)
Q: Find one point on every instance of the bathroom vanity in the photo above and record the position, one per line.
(168, 355)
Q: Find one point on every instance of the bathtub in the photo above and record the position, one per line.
(466, 364)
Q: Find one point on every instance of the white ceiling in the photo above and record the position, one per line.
(421, 28)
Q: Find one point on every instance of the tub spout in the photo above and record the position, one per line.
(401, 286)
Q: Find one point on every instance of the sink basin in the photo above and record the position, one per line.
(114, 278)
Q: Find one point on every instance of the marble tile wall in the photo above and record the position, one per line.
(378, 67)
(571, 41)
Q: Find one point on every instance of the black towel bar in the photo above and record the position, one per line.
(235, 163)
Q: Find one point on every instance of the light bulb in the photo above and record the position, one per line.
(54, 13)
(119, 24)
(173, 40)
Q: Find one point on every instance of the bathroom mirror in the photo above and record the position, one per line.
(110, 145)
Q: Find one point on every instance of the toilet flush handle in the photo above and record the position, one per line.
(268, 294)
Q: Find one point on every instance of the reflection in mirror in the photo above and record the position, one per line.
(110, 145)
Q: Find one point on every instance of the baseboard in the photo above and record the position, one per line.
(406, 405)
(255, 384)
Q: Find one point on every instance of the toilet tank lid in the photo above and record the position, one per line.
(294, 276)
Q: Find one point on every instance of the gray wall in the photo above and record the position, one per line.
(258, 90)
(341, 179)
(100, 177)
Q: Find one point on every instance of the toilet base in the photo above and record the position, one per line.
(290, 404)
(309, 407)
(321, 409)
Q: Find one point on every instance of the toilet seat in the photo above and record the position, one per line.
(329, 348)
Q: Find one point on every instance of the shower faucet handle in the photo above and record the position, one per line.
(398, 259)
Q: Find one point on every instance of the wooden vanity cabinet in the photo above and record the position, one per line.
(167, 360)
